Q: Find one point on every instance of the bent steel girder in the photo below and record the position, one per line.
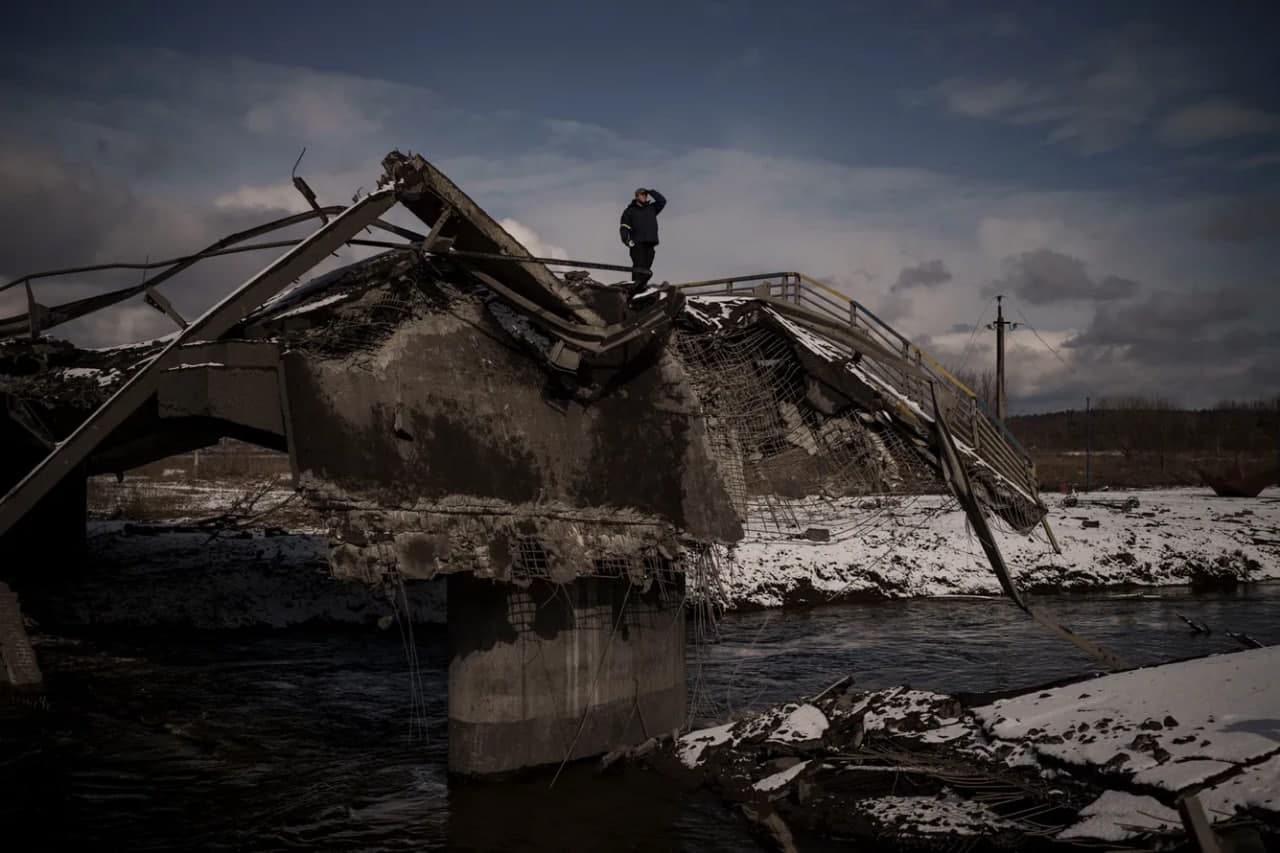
(50, 316)
(219, 319)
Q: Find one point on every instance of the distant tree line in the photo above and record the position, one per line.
(1152, 424)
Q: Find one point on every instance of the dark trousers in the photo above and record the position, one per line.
(642, 256)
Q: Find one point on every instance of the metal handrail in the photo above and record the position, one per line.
(858, 307)
(804, 283)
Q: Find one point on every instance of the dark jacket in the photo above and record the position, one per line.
(640, 221)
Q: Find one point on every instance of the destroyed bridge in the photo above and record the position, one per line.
(568, 457)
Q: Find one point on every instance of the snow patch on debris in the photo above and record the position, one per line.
(802, 724)
(692, 745)
(1119, 815)
(1083, 758)
(104, 377)
(308, 307)
(944, 815)
(922, 546)
(1255, 788)
(196, 364)
(781, 778)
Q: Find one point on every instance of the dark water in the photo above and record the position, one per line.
(303, 739)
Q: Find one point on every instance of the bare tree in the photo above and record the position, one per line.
(983, 384)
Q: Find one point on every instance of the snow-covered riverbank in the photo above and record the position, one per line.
(922, 547)
(172, 572)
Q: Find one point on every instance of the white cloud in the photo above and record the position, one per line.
(268, 197)
(987, 99)
(529, 238)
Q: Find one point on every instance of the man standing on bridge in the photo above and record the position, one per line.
(639, 232)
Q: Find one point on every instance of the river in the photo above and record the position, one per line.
(303, 739)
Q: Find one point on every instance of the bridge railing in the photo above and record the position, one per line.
(968, 415)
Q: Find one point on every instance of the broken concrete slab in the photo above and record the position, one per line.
(1066, 765)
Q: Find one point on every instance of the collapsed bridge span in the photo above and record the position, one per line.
(565, 455)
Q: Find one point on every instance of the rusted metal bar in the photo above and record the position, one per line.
(957, 480)
(1053, 540)
(303, 187)
(213, 323)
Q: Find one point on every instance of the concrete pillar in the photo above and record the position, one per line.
(18, 667)
(534, 675)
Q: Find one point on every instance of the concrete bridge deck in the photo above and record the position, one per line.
(565, 455)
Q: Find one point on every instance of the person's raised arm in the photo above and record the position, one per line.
(659, 201)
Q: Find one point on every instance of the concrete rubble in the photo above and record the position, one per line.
(1094, 761)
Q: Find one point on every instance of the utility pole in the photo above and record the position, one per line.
(1000, 325)
(1088, 445)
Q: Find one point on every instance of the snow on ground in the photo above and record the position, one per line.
(147, 499)
(921, 546)
(1170, 727)
(1222, 709)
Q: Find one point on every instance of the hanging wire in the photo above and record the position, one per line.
(1043, 342)
(974, 334)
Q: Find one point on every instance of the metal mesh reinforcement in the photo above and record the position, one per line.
(783, 460)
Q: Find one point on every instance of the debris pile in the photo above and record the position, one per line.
(1101, 760)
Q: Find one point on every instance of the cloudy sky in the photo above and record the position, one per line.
(1112, 168)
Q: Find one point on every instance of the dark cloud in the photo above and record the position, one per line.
(1244, 222)
(1097, 99)
(56, 214)
(926, 274)
(894, 306)
(1184, 328)
(1046, 277)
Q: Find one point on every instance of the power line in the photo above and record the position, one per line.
(1045, 343)
(964, 359)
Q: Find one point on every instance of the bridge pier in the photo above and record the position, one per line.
(549, 671)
